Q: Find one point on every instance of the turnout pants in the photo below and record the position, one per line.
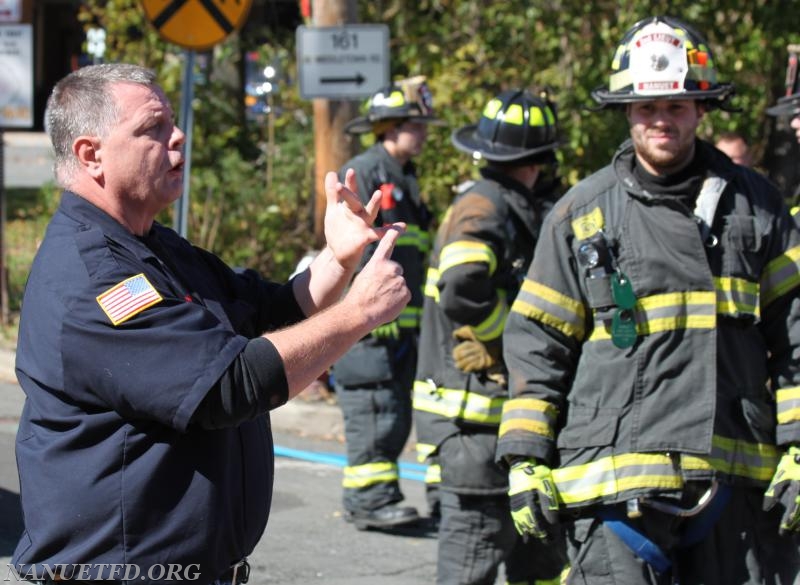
(377, 423)
(477, 535)
(476, 531)
(743, 548)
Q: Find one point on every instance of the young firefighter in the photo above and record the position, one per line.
(653, 343)
(373, 380)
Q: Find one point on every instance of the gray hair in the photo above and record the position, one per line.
(82, 104)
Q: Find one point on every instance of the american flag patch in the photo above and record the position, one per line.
(128, 298)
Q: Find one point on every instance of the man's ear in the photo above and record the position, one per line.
(701, 109)
(87, 150)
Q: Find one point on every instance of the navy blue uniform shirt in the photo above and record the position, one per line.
(117, 348)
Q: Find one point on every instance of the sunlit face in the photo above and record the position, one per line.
(737, 151)
(795, 124)
(663, 133)
(410, 139)
(141, 156)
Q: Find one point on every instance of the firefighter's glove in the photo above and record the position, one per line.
(388, 331)
(784, 489)
(473, 355)
(534, 499)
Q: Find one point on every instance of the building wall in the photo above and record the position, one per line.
(58, 43)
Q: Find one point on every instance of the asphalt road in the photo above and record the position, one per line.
(306, 540)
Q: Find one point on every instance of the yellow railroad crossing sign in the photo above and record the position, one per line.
(196, 24)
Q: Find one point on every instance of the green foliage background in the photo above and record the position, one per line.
(251, 198)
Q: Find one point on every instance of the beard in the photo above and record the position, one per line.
(664, 158)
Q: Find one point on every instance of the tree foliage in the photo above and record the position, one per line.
(472, 50)
(252, 191)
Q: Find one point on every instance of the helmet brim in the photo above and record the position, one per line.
(363, 124)
(786, 106)
(610, 98)
(466, 139)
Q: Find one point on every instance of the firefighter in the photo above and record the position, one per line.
(373, 380)
(479, 258)
(663, 295)
(789, 104)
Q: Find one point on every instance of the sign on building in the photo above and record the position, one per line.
(16, 76)
(10, 10)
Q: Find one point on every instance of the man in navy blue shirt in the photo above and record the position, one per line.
(144, 447)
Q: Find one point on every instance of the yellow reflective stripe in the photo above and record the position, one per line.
(414, 237)
(425, 241)
(550, 307)
(514, 114)
(617, 60)
(756, 461)
(431, 281)
(780, 276)
(528, 415)
(424, 450)
(358, 476)
(410, 317)
(620, 80)
(433, 474)
(491, 109)
(795, 210)
(585, 226)
(492, 327)
(668, 312)
(393, 100)
(565, 574)
(736, 296)
(788, 405)
(610, 476)
(526, 425)
(554, 581)
(464, 252)
(457, 404)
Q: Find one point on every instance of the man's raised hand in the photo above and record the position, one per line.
(379, 291)
(348, 223)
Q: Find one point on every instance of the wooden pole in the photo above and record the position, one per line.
(332, 147)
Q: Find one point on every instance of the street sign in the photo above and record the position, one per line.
(16, 76)
(196, 24)
(350, 61)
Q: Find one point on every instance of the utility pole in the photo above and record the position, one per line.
(332, 147)
(4, 310)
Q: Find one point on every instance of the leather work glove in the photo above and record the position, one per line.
(390, 330)
(534, 499)
(473, 355)
(784, 489)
